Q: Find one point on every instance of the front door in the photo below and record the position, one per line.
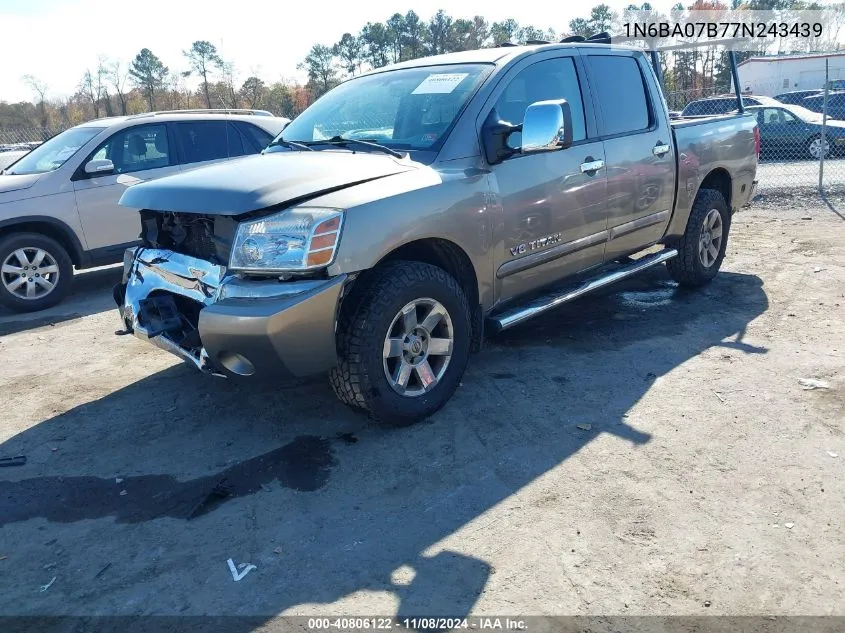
(781, 133)
(139, 153)
(553, 203)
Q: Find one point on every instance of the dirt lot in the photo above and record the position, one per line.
(649, 451)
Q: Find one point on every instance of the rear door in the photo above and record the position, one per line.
(638, 149)
(139, 153)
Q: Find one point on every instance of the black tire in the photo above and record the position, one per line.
(687, 268)
(359, 379)
(62, 282)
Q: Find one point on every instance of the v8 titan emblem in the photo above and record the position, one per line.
(541, 242)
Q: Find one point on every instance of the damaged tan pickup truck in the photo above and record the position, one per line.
(414, 207)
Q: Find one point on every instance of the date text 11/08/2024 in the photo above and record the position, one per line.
(417, 623)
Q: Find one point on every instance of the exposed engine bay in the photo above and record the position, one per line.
(207, 237)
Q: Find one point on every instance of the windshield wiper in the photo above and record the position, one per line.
(290, 144)
(339, 140)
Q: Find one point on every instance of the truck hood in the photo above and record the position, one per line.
(257, 182)
(10, 183)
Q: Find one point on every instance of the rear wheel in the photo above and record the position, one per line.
(35, 272)
(702, 247)
(814, 148)
(403, 343)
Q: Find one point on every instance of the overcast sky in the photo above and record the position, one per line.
(56, 40)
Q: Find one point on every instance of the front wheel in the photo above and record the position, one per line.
(35, 272)
(403, 342)
(702, 247)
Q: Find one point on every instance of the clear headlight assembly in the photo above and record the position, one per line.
(290, 241)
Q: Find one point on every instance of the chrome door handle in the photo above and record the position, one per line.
(591, 165)
(660, 149)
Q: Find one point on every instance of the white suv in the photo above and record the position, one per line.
(58, 203)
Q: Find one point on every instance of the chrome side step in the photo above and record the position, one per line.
(518, 314)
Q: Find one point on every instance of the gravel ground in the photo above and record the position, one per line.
(646, 451)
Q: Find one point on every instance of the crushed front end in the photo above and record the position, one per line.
(178, 294)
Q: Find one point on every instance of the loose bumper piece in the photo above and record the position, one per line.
(227, 325)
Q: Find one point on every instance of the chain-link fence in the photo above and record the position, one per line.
(26, 135)
(802, 124)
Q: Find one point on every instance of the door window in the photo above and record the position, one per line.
(203, 140)
(546, 80)
(619, 87)
(136, 149)
(772, 116)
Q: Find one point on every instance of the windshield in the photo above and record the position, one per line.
(410, 109)
(52, 154)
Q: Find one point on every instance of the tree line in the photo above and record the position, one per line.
(404, 37)
(147, 83)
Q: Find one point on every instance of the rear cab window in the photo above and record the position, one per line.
(612, 76)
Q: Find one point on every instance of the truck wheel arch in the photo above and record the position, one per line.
(720, 180)
(453, 259)
(51, 227)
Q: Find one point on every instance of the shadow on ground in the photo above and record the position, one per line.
(162, 481)
(91, 293)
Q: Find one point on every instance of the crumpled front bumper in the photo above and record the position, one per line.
(229, 325)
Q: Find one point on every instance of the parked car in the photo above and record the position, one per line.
(797, 96)
(835, 104)
(59, 203)
(9, 157)
(790, 131)
(722, 105)
(13, 147)
(498, 193)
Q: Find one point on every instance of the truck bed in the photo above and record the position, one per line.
(702, 145)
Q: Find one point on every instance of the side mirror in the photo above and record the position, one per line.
(99, 167)
(547, 127)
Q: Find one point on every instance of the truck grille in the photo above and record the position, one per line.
(202, 236)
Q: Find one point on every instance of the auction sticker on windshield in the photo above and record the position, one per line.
(439, 83)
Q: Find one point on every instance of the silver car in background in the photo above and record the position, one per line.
(59, 202)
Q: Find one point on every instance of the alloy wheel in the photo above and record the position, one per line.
(710, 242)
(30, 273)
(418, 347)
